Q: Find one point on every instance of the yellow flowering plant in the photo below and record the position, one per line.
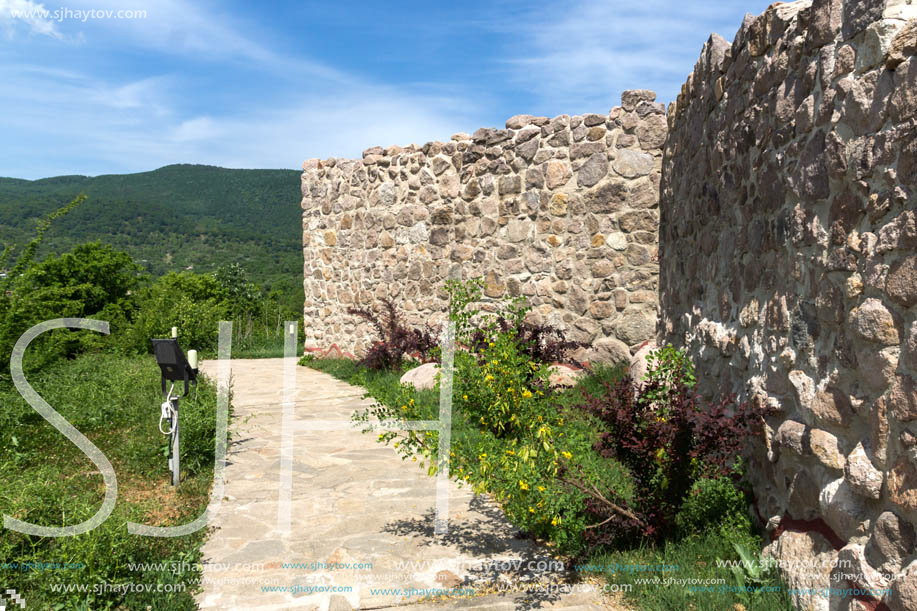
(511, 435)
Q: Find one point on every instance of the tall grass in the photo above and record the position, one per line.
(261, 339)
(46, 480)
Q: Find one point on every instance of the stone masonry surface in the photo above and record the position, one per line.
(788, 270)
(562, 211)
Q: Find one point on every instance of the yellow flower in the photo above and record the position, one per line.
(491, 344)
(560, 422)
(531, 509)
(465, 397)
(404, 408)
(511, 452)
(381, 436)
(482, 456)
(488, 378)
(523, 485)
(413, 459)
(567, 455)
(540, 488)
(555, 521)
(527, 394)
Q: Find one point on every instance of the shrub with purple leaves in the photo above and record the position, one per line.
(541, 343)
(667, 446)
(396, 339)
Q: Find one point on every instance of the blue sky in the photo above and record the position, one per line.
(268, 85)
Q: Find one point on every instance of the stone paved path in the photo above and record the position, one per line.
(354, 502)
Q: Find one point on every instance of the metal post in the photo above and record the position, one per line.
(284, 510)
(175, 462)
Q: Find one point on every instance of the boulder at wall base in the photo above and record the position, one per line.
(564, 376)
(606, 350)
(638, 364)
(423, 377)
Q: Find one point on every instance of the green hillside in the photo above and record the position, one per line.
(172, 218)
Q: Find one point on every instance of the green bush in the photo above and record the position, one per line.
(194, 303)
(668, 369)
(711, 503)
(668, 439)
(92, 281)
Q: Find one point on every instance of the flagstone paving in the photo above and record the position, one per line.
(357, 504)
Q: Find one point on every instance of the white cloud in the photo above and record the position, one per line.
(580, 57)
(31, 14)
(198, 130)
(58, 122)
(197, 30)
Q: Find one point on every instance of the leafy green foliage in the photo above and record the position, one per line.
(94, 274)
(195, 303)
(92, 281)
(462, 297)
(518, 470)
(657, 484)
(753, 576)
(710, 503)
(43, 224)
(668, 369)
(695, 557)
(111, 395)
(241, 295)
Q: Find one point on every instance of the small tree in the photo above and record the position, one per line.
(242, 296)
(22, 304)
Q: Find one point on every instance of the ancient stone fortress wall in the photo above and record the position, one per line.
(788, 249)
(562, 211)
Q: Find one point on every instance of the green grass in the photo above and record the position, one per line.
(46, 480)
(696, 559)
(593, 383)
(260, 347)
(695, 554)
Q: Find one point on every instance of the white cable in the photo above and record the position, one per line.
(167, 412)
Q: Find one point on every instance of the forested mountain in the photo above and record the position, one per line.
(171, 218)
